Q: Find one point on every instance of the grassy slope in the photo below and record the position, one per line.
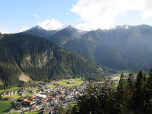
(77, 82)
(52, 86)
(117, 78)
(34, 112)
(29, 94)
(127, 71)
(14, 88)
(4, 105)
(14, 96)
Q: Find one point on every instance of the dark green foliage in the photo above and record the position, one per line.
(69, 110)
(121, 94)
(150, 82)
(130, 90)
(42, 60)
(61, 109)
(141, 93)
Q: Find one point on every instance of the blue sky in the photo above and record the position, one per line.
(83, 14)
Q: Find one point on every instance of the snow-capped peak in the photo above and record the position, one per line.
(37, 27)
(52, 25)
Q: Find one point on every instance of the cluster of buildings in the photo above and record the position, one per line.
(46, 99)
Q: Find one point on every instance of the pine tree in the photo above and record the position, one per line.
(120, 97)
(69, 110)
(141, 94)
(150, 82)
(61, 109)
(130, 89)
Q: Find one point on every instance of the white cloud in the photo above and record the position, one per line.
(3, 31)
(67, 13)
(24, 29)
(37, 16)
(146, 14)
(101, 13)
(51, 24)
(78, 20)
(123, 14)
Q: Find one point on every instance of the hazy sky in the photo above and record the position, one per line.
(17, 15)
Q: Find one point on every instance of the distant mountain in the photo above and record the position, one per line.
(52, 25)
(46, 29)
(65, 35)
(39, 31)
(59, 36)
(119, 48)
(24, 57)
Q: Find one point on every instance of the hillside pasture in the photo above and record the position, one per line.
(52, 86)
(5, 105)
(11, 89)
(29, 94)
(14, 96)
(78, 82)
(128, 71)
(34, 112)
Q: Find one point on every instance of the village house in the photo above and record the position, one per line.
(32, 108)
(8, 98)
(17, 104)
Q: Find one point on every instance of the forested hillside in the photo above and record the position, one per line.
(119, 48)
(65, 35)
(39, 59)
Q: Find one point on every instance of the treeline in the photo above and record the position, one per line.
(131, 96)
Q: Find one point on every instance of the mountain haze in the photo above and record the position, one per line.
(65, 35)
(39, 31)
(118, 48)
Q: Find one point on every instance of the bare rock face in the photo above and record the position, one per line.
(24, 78)
(1, 83)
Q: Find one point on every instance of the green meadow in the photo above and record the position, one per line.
(52, 86)
(73, 105)
(14, 96)
(128, 71)
(78, 82)
(34, 112)
(29, 94)
(14, 88)
(117, 78)
(4, 106)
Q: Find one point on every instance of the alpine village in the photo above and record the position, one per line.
(67, 70)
